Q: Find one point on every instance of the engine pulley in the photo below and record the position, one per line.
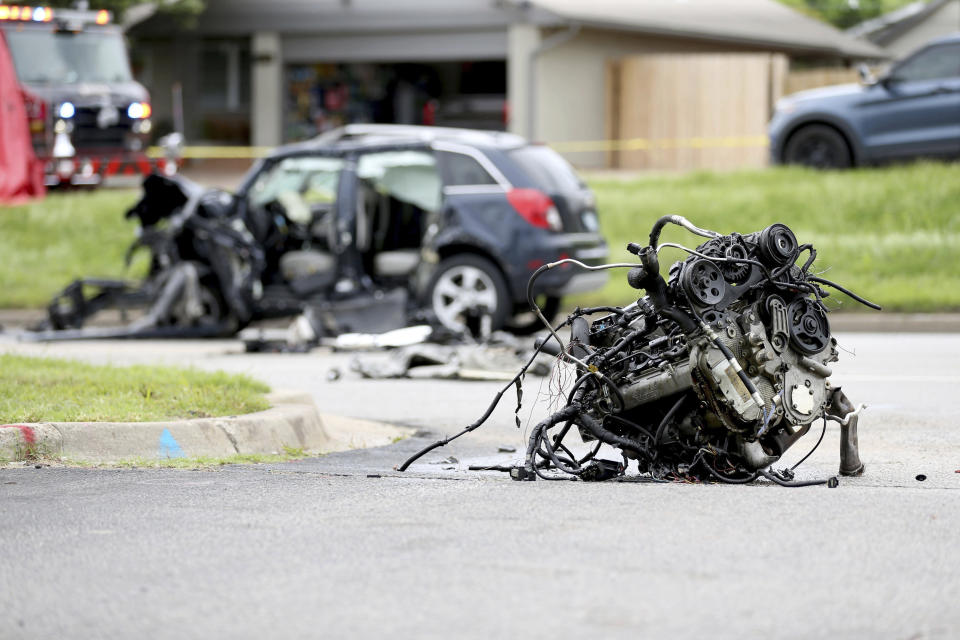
(703, 282)
(778, 246)
(809, 329)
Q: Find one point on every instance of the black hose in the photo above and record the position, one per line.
(591, 455)
(680, 221)
(557, 462)
(722, 478)
(836, 286)
(809, 453)
(567, 413)
(658, 438)
(784, 483)
(596, 376)
(609, 437)
(621, 344)
(542, 475)
(631, 424)
(813, 256)
(586, 311)
(657, 228)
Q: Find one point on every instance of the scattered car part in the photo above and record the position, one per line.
(496, 359)
(712, 375)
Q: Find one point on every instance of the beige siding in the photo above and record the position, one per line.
(694, 111)
(813, 78)
(572, 85)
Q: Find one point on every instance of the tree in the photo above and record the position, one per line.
(845, 13)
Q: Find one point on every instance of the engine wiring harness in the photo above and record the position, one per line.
(711, 376)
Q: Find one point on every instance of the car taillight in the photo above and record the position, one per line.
(535, 207)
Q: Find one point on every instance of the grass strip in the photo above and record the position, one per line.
(53, 390)
(47, 244)
(890, 234)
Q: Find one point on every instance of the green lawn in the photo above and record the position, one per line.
(51, 390)
(889, 234)
(47, 244)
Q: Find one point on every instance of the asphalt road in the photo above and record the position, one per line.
(319, 548)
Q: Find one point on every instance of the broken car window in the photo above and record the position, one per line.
(408, 176)
(396, 193)
(306, 187)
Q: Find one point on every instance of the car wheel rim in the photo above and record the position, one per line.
(817, 153)
(460, 289)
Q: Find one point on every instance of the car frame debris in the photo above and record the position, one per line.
(369, 227)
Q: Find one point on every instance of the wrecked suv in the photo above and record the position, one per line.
(368, 227)
(489, 209)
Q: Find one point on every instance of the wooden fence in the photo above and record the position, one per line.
(699, 111)
(813, 78)
(691, 111)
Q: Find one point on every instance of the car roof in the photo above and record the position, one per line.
(366, 136)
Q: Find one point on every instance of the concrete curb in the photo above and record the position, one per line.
(292, 422)
(883, 322)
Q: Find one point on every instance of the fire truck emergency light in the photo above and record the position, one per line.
(26, 14)
(138, 110)
(46, 14)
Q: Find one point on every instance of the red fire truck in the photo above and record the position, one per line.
(88, 118)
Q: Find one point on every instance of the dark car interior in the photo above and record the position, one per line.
(396, 197)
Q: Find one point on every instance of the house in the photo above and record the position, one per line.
(910, 27)
(262, 73)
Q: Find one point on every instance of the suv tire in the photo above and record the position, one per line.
(464, 281)
(819, 147)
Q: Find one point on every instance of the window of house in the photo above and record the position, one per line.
(224, 76)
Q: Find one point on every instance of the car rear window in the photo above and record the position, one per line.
(462, 170)
(547, 169)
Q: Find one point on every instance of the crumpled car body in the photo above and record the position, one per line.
(369, 231)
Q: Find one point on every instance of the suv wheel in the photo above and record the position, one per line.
(817, 146)
(465, 282)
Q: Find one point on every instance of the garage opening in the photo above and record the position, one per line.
(323, 96)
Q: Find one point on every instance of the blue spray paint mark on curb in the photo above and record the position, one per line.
(169, 447)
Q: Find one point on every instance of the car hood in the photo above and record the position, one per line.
(91, 95)
(824, 95)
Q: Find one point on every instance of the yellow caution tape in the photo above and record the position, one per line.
(221, 152)
(573, 146)
(646, 144)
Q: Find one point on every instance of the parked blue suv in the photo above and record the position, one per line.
(912, 111)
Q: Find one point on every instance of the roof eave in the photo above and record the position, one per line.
(867, 50)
